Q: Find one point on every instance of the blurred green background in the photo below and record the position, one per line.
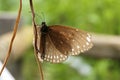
(98, 16)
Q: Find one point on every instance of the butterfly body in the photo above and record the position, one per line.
(57, 42)
(44, 31)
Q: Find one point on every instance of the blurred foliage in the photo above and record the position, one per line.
(5, 5)
(100, 16)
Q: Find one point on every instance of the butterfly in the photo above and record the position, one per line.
(57, 42)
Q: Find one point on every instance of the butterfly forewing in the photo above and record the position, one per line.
(59, 40)
(70, 41)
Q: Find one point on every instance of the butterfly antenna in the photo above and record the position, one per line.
(43, 16)
(38, 16)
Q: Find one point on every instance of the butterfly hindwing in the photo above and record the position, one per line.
(51, 53)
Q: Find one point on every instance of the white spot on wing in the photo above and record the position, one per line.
(87, 43)
(58, 60)
(72, 50)
(88, 35)
(63, 58)
(57, 56)
(73, 53)
(61, 55)
(54, 56)
(48, 56)
(82, 51)
(47, 59)
(51, 57)
(78, 46)
(73, 40)
(88, 39)
(76, 29)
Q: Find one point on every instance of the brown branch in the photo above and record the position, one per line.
(13, 37)
(35, 41)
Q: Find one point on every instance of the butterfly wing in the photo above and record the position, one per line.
(69, 41)
(52, 54)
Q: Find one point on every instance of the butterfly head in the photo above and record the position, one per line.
(44, 28)
(43, 24)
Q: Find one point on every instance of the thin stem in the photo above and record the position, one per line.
(13, 37)
(35, 40)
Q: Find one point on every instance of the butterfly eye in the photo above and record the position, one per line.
(60, 41)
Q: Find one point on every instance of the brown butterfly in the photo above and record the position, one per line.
(57, 42)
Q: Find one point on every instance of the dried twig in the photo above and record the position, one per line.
(13, 37)
(35, 40)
